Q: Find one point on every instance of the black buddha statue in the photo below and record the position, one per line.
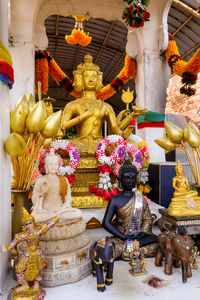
(133, 217)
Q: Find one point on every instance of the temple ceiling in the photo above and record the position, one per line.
(109, 42)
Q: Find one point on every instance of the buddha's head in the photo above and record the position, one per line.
(127, 175)
(88, 76)
(179, 168)
(52, 162)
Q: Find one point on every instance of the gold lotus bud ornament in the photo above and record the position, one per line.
(166, 144)
(18, 118)
(25, 135)
(174, 132)
(24, 103)
(36, 118)
(48, 105)
(15, 144)
(193, 126)
(191, 136)
(52, 124)
(47, 143)
(31, 102)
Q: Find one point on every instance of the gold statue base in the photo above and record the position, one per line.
(180, 207)
(29, 294)
(137, 274)
(86, 176)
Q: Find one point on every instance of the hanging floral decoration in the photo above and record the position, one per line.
(41, 72)
(52, 68)
(136, 13)
(128, 72)
(78, 36)
(72, 165)
(187, 70)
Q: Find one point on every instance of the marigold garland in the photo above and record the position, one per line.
(49, 65)
(187, 70)
(129, 71)
(78, 37)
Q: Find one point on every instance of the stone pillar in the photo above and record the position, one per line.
(22, 48)
(146, 45)
(152, 89)
(5, 201)
(23, 56)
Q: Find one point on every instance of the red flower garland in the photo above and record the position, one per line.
(187, 70)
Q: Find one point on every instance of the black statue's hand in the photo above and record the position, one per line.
(136, 235)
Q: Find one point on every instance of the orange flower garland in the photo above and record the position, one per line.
(187, 70)
(78, 37)
(46, 64)
(41, 74)
(129, 71)
(55, 71)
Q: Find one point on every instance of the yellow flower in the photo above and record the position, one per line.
(142, 144)
(147, 189)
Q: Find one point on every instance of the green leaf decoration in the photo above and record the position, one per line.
(146, 2)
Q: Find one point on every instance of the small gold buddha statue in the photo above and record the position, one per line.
(137, 261)
(185, 202)
(88, 113)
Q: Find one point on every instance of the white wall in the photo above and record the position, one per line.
(5, 199)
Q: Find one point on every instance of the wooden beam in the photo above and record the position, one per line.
(115, 66)
(187, 8)
(183, 24)
(191, 50)
(104, 42)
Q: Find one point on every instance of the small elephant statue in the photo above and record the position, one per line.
(102, 256)
(176, 248)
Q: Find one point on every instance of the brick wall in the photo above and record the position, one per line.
(178, 103)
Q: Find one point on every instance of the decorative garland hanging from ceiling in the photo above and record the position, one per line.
(45, 65)
(187, 70)
(136, 13)
(78, 36)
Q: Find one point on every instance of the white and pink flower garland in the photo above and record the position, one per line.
(69, 169)
(105, 189)
(110, 164)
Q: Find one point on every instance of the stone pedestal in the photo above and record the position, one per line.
(67, 250)
(191, 223)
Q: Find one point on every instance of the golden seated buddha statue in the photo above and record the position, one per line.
(185, 202)
(88, 115)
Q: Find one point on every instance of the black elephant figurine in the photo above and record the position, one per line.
(102, 256)
(176, 248)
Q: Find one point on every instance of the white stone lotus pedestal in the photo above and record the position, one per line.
(67, 250)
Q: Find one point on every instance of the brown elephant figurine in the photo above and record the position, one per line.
(176, 248)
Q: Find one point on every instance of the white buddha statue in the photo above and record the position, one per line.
(52, 194)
